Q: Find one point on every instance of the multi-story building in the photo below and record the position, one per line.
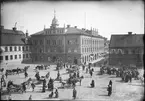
(14, 46)
(127, 49)
(68, 44)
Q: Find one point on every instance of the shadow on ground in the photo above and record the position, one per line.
(119, 81)
(103, 95)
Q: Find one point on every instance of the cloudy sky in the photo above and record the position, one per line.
(108, 17)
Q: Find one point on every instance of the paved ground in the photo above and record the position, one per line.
(121, 91)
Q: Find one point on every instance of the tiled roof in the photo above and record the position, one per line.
(134, 40)
(10, 37)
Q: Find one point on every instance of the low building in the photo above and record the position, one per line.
(68, 44)
(127, 49)
(14, 46)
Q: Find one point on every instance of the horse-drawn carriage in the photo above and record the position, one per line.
(17, 71)
(71, 82)
(14, 87)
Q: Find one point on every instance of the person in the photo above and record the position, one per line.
(109, 89)
(91, 73)
(26, 74)
(92, 84)
(110, 82)
(83, 67)
(58, 75)
(51, 94)
(6, 74)
(33, 86)
(30, 97)
(17, 70)
(44, 84)
(24, 87)
(86, 70)
(56, 93)
(78, 74)
(74, 93)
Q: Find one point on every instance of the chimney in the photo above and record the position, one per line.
(26, 33)
(129, 33)
(75, 26)
(14, 28)
(68, 26)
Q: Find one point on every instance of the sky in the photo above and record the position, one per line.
(109, 17)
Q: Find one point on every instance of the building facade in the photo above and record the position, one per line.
(68, 44)
(126, 49)
(14, 46)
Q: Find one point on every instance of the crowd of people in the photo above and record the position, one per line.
(125, 73)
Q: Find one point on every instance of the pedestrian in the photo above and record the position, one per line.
(74, 93)
(30, 97)
(6, 74)
(17, 70)
(33, 86)
(91, 73)
(26, 74)
(109, 89)
(83, 67)
(58, 75)
(44, 85)
(110, 83)
(92, 84)
(86, 70)
(24, 87)
(51, 94)
(56, 93)
(78, 74)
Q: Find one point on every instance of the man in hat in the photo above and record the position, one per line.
(74, 93)
(109, 89)
(92, 84)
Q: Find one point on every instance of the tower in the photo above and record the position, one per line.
(54, 23)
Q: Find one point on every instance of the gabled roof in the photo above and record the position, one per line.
(134, 40)
(11, 37)
(8, 31)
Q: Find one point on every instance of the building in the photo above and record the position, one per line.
(68, 44)
(14, 46)
(127, 49)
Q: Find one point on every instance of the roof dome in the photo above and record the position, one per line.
(54, 21)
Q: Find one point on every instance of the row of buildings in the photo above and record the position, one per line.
(67, 44)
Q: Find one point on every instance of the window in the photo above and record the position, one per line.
(6, 49)
(15, 56)
(20, 56)
(26, 55)
(11, 49)
(23, 55)
(6, 57)
(1, 58)
(26, 48)
(15, 48)
(19, 48)
(11, 57)
(23, 48)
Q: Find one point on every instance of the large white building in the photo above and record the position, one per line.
(14, 46)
